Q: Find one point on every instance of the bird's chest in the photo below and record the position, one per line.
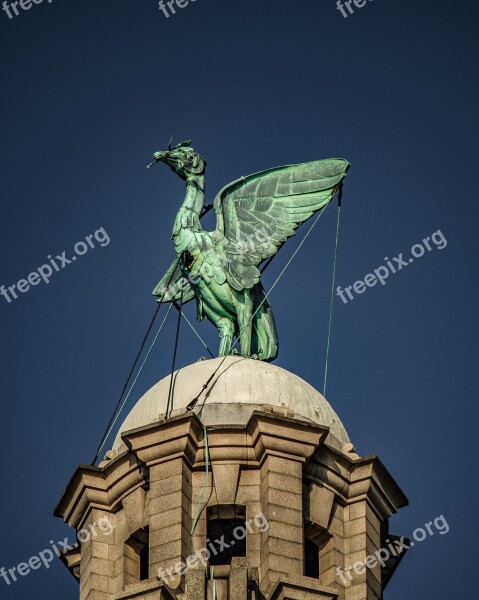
(204, 265)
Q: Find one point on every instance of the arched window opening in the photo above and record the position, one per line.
(318, 542)
(136, 557)
(226, 533)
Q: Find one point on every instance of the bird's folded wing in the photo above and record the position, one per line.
(172, 284)
(258, 213)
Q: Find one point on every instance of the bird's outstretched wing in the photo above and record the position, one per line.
(172, 283)
(258, 213)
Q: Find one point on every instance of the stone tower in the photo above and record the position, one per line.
(253, 493)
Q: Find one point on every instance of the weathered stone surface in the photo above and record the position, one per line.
(226, 482)
(196, 584)
(238, 580)
(134, 507)
(237, 382)
(276, 467)
(319, 505)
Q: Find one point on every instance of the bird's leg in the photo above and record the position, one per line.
(244, 310)
(226, 330)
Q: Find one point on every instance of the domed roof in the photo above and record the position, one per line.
(238, 386)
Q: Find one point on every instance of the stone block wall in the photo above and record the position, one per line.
(291, 473)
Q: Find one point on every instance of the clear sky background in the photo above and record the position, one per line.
(91, 89)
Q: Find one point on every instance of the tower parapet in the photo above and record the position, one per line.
(255, 494)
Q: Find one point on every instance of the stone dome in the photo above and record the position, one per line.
(238, 387)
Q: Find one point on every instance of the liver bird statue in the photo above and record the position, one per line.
(255, 216)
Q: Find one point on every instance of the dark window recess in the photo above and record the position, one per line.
(136, 557)
(144, 562)
(311, 559)
(225, 528)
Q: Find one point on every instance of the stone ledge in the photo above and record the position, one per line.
(302, 588)
(144, 588)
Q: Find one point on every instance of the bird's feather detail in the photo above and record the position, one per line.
(258, 213)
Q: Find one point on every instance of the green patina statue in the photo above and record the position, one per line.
(255, 216)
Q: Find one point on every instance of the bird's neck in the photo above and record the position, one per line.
(187, 220)
(195, 194)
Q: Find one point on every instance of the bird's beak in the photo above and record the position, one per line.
(159, 157)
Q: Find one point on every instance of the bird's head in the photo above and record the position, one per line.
(183, 160)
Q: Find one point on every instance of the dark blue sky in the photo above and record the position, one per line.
(91, 89)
